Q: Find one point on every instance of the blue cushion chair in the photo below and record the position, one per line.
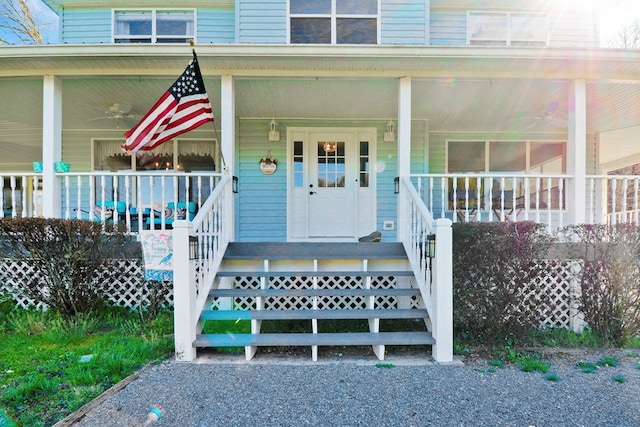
(173, 211)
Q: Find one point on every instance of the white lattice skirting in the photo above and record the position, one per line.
(131, 291)
(560, 288)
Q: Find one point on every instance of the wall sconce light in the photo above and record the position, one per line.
(193, 247)
(431, 254)
(396, 185)
(431, 246)
(274, 135)
(234, 184)
(390, 134)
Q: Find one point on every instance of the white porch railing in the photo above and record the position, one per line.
(137, 200)
(21, 194)
(495, 197)
(434, 274)
(198, 249)
(613, 199)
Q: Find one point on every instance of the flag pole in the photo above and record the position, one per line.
(213, 122)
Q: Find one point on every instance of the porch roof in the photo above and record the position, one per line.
(318, 61)
(455, 89)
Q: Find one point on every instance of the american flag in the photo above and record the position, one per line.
(184, 107)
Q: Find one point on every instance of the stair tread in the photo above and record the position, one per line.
(357, 273)
(307, 250)
(302, 339)
(216, 293)
(313, 314)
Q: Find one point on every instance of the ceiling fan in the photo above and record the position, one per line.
(117, 111)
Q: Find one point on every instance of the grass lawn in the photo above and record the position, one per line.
(50, 367)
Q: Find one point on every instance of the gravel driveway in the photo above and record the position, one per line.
(404, 390)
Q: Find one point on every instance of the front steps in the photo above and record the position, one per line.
(314, 282)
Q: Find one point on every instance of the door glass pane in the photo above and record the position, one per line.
(298, 164)
(331, 164)
(311, 30)
(356, 31)
(507, 156)
(364, 163)
(360, 7)
(310, 6)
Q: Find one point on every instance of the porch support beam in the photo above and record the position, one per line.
(577, 152)
(227, 144)
(404, 146)
(51, 146)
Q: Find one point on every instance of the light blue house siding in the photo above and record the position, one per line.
(86, 26)
(262, 21)
(262, 199)
(404, 22)
(93, 25)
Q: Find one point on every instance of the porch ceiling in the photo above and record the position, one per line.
(345, 86)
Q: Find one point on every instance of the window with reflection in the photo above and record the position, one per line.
(195, 156)
(333, 21)
(153, 26)
(507, 29)
(507, 157)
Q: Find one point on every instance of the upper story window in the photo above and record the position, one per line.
(153, 26)
(507, 29)
(333, 21)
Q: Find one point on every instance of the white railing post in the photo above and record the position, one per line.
(442, 292)
(184, 298)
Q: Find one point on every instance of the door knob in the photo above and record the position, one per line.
(312, 192)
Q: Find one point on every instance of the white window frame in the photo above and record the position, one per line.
(508, 39)
(334, 16)
(487, 161)
(153, 36)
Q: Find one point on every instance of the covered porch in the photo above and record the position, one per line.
(476, 134)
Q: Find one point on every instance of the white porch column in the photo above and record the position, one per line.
(442, 293)
(51, 146)
(404, 146)
(184, 294)
(227, 144)
(576, 191)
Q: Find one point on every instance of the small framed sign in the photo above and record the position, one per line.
(268, 165)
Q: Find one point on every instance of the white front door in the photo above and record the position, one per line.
(330, 184)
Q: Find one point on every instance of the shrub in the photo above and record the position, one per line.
(496, 271)
(610, 278)
(70, 260)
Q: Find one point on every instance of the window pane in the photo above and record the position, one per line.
(466, 156)
(356, 31)
(310, 6)
(507, 156)
(361, 7)
(547, 158)
(174, 23)
(132, 23)
(488, 26)
(528, 27)
(311, 30)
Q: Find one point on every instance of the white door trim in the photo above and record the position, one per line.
(298, 174)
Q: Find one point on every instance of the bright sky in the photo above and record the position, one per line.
(615, 14)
